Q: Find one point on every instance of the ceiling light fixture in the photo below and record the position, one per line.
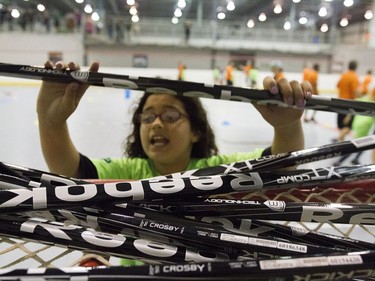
(348, 3)
(15, 13)
(221, 15)
(324, 27)
(368, 15)
(88, 9)
(344, 22)
(177, 13)
(133, 10)
(95, 16)
(302, 20)
(231, 6)
(287, 25)
(322, 12)
(262, 17)
(40, 8)
(278, 9)
(181, 4)
(135, 18)
(250, 23)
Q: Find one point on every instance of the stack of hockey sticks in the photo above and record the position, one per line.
(194, 236)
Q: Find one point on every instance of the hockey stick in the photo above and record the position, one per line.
(45, 178)
(119, 245)
(289, 159)
(189, 233)
(184, 88)
(18, 200)
(250, 227)
(354, 213)
(353, 266)
(260, 164)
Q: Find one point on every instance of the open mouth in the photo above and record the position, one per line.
(159, 141)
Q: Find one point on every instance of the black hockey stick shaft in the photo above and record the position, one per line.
(348, 213)
(354, 266)
(18, 200)
(193, 234)
(260, 164)
(249, 227)
(184, 88)
(289, 159)
(83, 238)
(45, 178)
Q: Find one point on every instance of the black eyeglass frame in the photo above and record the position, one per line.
(160, 116)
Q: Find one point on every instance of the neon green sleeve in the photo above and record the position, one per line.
(138, 168)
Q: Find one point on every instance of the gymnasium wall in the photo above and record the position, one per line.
(35, 48)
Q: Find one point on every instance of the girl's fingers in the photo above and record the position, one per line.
(270, 84)
(293, 92)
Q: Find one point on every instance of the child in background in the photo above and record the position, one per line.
(361, 126)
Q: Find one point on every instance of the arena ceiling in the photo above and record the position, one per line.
(207, 9)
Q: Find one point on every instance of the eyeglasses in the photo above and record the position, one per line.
(169, 116)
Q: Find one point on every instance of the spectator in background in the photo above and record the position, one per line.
(218, 75)
(89, 25)
(348, 88)
(366, 82)
(305, 72)
(181, 68)
(78, 19)
(246, 71)
(187, 29)
(311, 75)
(70, 22)
(277, 69)
(253, 77)
(120, 31)
(362, 126)
(46, 18)
(56, 17)
(229, 73)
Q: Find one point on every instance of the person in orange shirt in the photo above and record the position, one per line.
(311, 75)
(366, 82)
(277, 70)
(181, 71)
(305, 73)
(348, 88)
(246, 69)
(229, 73)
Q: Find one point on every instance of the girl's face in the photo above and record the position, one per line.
(166, 134)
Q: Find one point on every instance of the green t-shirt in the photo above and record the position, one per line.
(362, 124)
(139, 168)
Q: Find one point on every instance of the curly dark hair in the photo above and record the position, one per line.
(204, 147)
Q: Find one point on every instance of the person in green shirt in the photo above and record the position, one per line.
(170, 133)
